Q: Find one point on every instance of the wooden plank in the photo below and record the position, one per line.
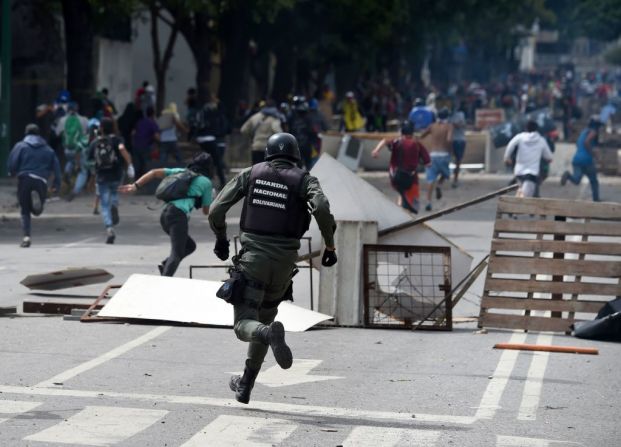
(506, 302)
(547, 348)
(39, 307)
(525, 285)
(435, 215)
(8, 310)
(545, 266)
(558, 228)
(532, 245)
(556, 207)
(526, 323)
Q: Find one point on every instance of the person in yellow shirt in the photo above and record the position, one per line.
(351, 115)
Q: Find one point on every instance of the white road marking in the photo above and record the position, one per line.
(518, 441)
(390, 437)
(305, 410)
(241, 431)
(496, 386)
(534, 381)
(15, 407)
(99, 426)
(116, 352)
(298, 373)
(83, 241)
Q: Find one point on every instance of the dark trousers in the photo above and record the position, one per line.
(258, 157)
(25, 186)
(591, 173)
(140, 158)
(175, 223)
(216, 152)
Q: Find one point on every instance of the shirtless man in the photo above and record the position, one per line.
(440, 137)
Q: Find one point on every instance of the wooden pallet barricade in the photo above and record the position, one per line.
(551, 260)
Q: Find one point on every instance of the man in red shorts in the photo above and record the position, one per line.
(406, 154)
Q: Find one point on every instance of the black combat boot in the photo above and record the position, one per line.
(274, 336)
(242, 385)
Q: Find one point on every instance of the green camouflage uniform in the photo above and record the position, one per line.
(266, 259)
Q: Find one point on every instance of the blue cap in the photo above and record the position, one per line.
(63, 96)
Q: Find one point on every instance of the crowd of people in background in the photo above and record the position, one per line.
(143, 138)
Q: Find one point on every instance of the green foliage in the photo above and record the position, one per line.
(598, 19)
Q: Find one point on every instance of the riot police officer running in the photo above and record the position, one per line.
(279, 198)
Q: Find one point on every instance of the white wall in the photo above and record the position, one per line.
(181, 74)
(114, 71)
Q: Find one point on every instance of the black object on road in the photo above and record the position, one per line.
(606, 326)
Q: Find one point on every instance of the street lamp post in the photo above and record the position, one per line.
(5, 85)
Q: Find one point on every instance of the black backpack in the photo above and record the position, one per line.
(175, 186)
(105, 154)
(212, 122)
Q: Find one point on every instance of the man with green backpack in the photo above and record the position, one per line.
(183, 189)
(73, 129)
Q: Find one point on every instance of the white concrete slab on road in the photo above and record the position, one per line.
(184, 300)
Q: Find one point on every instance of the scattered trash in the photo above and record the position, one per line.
(63, 279)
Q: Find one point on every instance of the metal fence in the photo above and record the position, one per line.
(405, 286)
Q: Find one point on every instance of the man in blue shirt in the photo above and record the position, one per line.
(421, 116)
(33, 162)
(176, 214)
(583, 162)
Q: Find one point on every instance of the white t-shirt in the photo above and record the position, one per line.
(531, 147)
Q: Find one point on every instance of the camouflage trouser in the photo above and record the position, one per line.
(259, 307)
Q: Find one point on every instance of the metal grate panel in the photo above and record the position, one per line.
(403, 284)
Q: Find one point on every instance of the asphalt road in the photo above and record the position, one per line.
(72, 383)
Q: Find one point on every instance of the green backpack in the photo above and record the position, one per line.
(175, 186)
(72, 133)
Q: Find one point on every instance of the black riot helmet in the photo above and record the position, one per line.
(282, 145)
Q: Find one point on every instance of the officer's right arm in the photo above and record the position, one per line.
(320, 207)
(232, 193)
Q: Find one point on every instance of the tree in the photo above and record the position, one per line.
(79, 44)
(195, 20)
(161, 61)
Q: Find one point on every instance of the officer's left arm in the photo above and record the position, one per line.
(232, 193)
(320, 208)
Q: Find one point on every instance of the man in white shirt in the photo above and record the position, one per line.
(524, 152)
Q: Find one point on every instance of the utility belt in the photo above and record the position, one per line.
(232, 291)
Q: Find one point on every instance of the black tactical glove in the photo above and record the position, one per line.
(329, 258)
(222, 249)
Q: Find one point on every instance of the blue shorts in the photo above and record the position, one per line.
(439, 166)
(459, 147)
